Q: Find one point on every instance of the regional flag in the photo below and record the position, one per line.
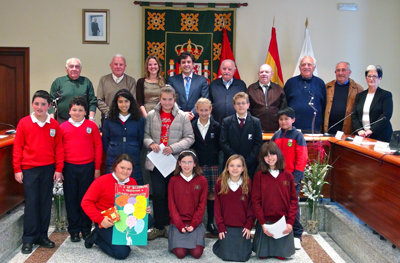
(273, 59)
(226, 53)
(306, 50)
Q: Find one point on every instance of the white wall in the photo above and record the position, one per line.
(53, 31)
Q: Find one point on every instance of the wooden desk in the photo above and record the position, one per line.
(11, 192)
(367, 183)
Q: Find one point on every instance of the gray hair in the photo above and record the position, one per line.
(314, 60)
(68, 61)
(347, 63)
(118, 56)
(229, 60)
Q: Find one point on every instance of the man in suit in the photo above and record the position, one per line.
(241, 133)
(266, 99)
(189, 87)
(223, 89)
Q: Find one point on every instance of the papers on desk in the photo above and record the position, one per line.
(165, 163)
(277, 228)
(313, 134)
(3, 136)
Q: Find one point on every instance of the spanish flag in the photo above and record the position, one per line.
(273, 59)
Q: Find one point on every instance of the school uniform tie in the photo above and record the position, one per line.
(241, 124)
(187, 87)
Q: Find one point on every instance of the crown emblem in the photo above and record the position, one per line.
(190, 47)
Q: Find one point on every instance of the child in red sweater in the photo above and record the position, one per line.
(38, 160)
(187, 197)
(274, 195)
(82, 160)
(233, 212)
(99, 197)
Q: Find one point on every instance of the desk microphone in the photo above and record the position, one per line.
(327, 132)
(363, 127)
(9, 125)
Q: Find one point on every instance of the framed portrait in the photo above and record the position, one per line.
(95, 26)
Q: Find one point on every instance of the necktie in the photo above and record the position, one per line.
(187, 87)
(266, 94)
(241, 122)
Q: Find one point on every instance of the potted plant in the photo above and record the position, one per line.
(313, 182)
(59, 203)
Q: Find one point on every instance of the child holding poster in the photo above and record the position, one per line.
(187, 198)
(233, 212)
(100, 197)
(274, 195)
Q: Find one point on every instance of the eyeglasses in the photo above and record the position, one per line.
(372, 76)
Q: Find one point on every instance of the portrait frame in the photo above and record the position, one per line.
(95, 26)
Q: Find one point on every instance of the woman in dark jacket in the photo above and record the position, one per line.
(123, 131)
(373, 108)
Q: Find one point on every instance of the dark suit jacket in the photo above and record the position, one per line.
(198, 89)
(381, 106)
(268, 115)
(207, 149)
(245, 141)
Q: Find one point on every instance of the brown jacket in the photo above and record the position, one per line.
(276, 101)
(354, 89)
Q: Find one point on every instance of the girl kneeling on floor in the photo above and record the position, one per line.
(273, 196)
(233, 212)
(187, 198)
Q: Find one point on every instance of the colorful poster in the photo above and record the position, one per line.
(131, 202)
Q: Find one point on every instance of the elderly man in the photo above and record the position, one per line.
(306, 94)
(65, 88)
(266, 99)
(223, 89)
(340, 96)
(111, 83)
(189, 87)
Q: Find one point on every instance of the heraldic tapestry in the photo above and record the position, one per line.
(170, 31)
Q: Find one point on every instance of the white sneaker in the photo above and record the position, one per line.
(297, 243)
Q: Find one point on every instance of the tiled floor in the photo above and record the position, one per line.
(315, 249)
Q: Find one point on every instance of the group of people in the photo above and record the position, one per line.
(195, 122)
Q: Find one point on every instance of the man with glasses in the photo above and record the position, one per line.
(340, 96)
(306, 94)
(266, 99)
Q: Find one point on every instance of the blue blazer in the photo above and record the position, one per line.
(198, 89)
(381, 106)
(119, 138)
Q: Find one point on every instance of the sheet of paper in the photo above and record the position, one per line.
(3, 136)
(277, 228)
(165, 163)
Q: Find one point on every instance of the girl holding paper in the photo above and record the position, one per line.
(273, 196)
(233, 211)
(168, 125)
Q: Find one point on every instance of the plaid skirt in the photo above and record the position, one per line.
(211, 173)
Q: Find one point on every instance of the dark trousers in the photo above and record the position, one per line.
(38, 188)
(160, 198)
(77, 179)
(297, 227)
(103, 238)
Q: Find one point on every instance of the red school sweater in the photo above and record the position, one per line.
(37, 146)
(187, 201)
(233, 209)
(82, 144)
(273, 198)
(100, 196)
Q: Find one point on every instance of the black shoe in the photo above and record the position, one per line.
(212, 229)
(75, 237)
(85, 234)
(26, 248)
(46, 242)
(89, 241)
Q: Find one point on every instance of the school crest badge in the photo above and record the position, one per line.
(197, 187)
(52, 132)
(242, 198)
(89, 130)
(286, 183)
(250, 137)
(290, 142)
(212, 136)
